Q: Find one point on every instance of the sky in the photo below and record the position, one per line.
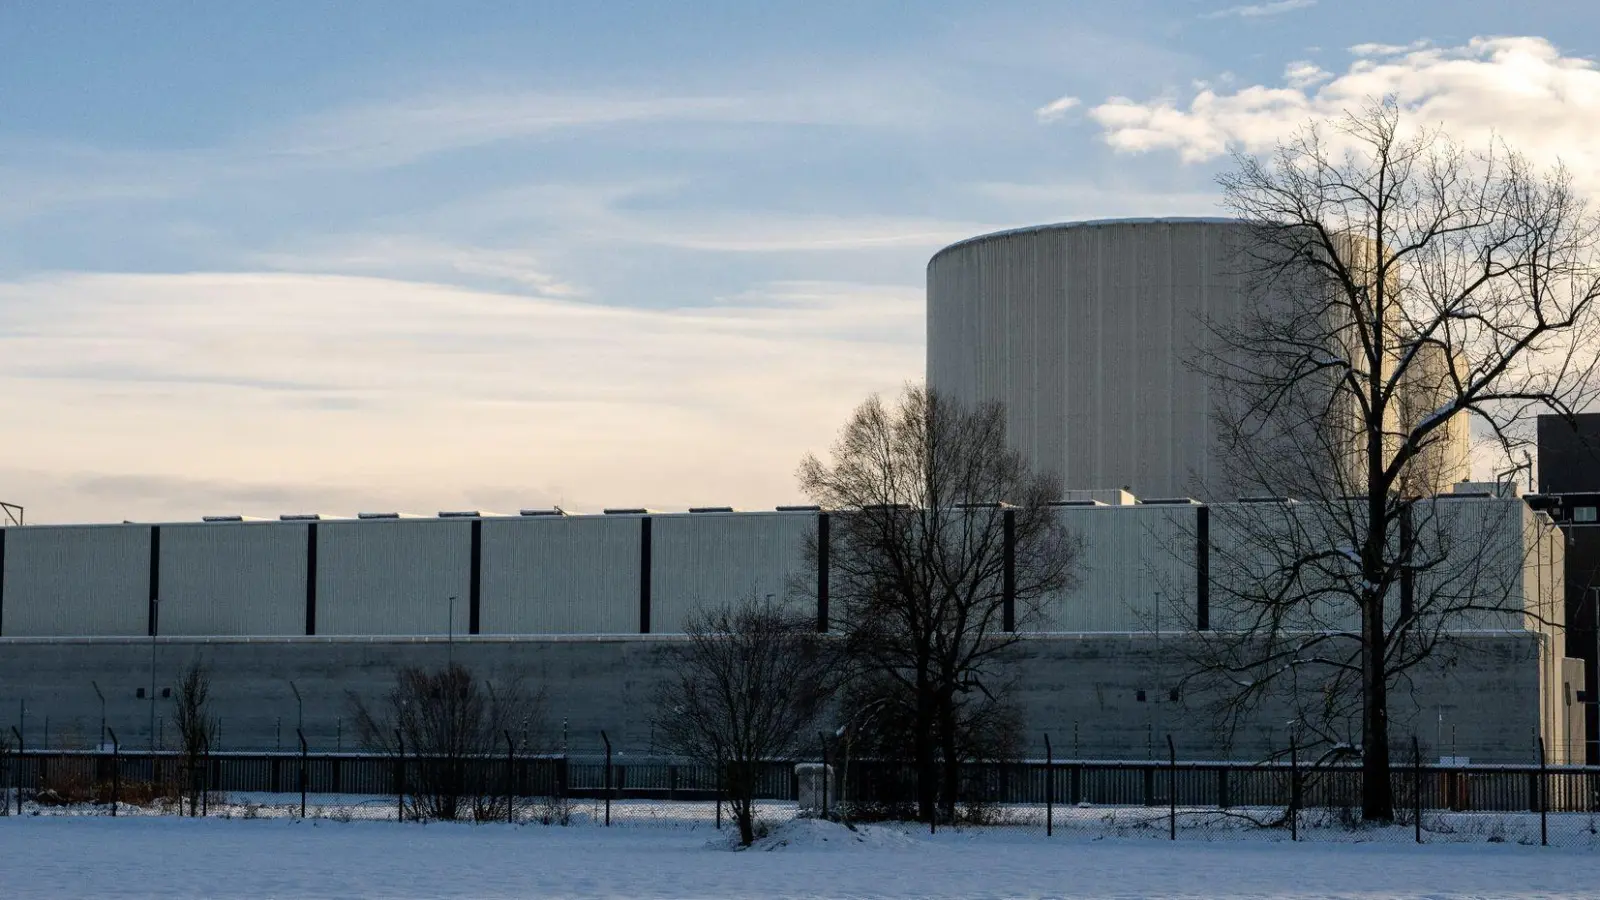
(418, 256)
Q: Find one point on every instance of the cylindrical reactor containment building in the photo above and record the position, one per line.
(1085, 331)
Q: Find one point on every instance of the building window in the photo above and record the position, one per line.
(1583, 514)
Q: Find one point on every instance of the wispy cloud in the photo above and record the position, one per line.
(1055, 109)
(1258, 10)
(382, 385)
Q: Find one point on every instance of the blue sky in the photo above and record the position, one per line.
(265, 258)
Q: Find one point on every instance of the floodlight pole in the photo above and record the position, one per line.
(450, 640)
(102, 712)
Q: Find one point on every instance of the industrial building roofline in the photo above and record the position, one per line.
(1090, 223)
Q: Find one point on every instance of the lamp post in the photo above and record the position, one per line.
(450, 640)
(102, 712)
(299, 711)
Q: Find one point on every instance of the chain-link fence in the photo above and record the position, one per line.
(1172, 799)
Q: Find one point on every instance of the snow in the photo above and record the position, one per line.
(663, 856)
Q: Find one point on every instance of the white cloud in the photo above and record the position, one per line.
(1389, 49)
(1303, 74)
(1541, 101)
(420, 395)
(1258, 10)
(1055, 109)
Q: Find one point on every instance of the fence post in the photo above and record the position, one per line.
(304, 751)
(17, 778)
(1172, 790)
(608, 784)
(511, 764)
(1544, 799)
(823, 743)
(1417, 786)
(116, 770)
(205, 783)
(1049, 788)
(1294, 790)
(400, 777)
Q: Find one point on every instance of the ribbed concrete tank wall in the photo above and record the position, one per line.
(1083, 330)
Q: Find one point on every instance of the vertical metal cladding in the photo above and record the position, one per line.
(561, 575)
(394, 576)
(709, 559)
(1127, 557)
(90, 580)
(1084, 331)
(233, 579)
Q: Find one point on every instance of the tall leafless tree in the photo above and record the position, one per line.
(751, 681)
(921, 582)
(1401, 287)
(197, 728)
(447, 728)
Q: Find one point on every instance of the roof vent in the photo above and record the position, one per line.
(627, 511)
(800, 508)
(459, 514)
(710, 509)
(552, 511)
(1172, 501)
(299, 517)
(1288, 501)
(378, 515)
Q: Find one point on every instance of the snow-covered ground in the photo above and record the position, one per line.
(142, 856)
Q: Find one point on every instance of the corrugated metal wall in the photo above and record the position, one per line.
(1129, 554)
(705, 559)
(393, 577)
(556, 575)
(582, 575)
(233, 579)
(77, 580)
(1083, 331)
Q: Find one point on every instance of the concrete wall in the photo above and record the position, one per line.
(1082, 690)
(1083, 330)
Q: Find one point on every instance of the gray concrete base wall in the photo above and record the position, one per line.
(1082, 689)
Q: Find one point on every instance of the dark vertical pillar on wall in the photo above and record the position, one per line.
(1202, 568)
(1008, 579)
(822, 572)
(311, 579)
(2, 581)
(1407, 598)
(644, 575)
(155, 578)
(475, 586)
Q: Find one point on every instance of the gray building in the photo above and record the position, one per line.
(1084, 330)
(588, 608)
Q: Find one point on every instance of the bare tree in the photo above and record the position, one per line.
(1401, 287)
(928, 493)
(197, 728)
(445, 727)
(751, 681)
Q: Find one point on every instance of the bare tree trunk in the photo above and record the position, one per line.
(951, 764)
(1377, 795)
(927, 763)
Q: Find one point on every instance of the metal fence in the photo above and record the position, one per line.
(1281, 794)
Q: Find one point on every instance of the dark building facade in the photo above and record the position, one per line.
(1569, 490)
